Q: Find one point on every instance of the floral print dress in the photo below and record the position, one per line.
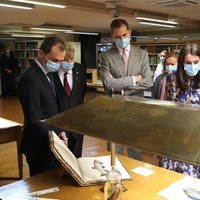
(191, 96)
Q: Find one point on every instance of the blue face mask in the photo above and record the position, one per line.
(171, 68)
(122, 43)
(66, 66)
(52, 66)
(162, 58)
(192, 69)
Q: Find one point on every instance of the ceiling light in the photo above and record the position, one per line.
(156, 20)
(168, 38)
(157, 24)
(51, 29)
(27, 35)
(40, 3)
(82, 33)
(139, 36)
(16, 5)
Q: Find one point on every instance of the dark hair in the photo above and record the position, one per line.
(51, 41)
(117, 23)
(168, 55)
(181, 76)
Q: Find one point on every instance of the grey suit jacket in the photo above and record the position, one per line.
(113, 75)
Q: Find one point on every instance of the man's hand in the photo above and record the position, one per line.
(138, 78)
(63, 137)
(110, 75)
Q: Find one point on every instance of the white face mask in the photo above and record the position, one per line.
(66, 66)
(123, 43)
(192, 69)
(162, 58)
(171, 68)
(52, 66)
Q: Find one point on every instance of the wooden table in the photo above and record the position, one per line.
(140, 188)
(10, 131)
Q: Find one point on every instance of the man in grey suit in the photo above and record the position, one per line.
(125, 68)
(115, 75)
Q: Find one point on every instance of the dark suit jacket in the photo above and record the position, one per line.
(8, 79)
(38, 102)
(78, 89)
(157, 87)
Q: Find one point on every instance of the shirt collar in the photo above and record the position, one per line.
(126, 49)
(61, 71)
(42, 67)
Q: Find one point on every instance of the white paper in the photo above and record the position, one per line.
(5, 123)
(175, 190)
(142, 171)
(86, 165)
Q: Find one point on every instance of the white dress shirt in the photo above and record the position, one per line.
(69, 77)
(44, 69)
(127, 51)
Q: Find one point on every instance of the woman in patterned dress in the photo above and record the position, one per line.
(169, 67)
(184, 88)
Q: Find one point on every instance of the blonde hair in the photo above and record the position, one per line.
(70, 50)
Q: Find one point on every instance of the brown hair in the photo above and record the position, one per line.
(51, 41)
(168, 55)
(181, 76)
(117, 23)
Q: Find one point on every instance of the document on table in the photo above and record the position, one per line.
(5, 123)
(175, 190)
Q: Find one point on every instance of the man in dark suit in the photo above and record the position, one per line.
(8, 65)
(70, 81)
(39, 101)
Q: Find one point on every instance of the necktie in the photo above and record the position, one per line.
(66, 85)
(51, 81)
(125, 60)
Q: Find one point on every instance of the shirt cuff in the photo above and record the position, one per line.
(134, 81)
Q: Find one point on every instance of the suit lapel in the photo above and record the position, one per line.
(41, 74)
(131, 61)
(42, 77)
(58, 83)
(75, 78)
(115, 55)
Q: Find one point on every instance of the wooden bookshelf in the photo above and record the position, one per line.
(26, 51)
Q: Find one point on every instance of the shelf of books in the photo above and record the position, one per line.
(26, 52)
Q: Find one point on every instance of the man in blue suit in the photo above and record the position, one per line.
(38, 99)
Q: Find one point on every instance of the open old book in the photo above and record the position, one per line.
(84, 170)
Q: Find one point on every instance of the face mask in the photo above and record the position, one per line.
(7, 53)
(162, 58)
(192, 70)
(52, 66)
(171, 68)
(66, 66)
(122, 43)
